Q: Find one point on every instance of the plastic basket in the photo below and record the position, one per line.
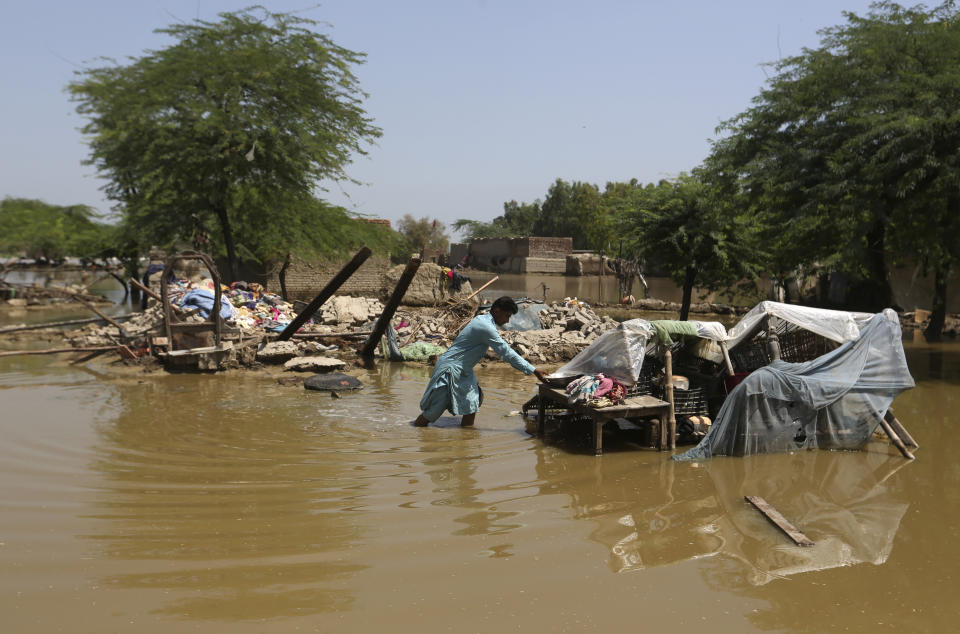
(749, 355)
(692, 402)
(801, 345)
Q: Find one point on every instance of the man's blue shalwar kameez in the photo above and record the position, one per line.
(453, 385)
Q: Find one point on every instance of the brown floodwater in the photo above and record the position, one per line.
(228, 503)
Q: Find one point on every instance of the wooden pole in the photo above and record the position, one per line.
(726, 358)
(471, 296)
(600, 281)
(900, 430)
(14, 353)
(150, 293)
(392, 304)
(332, 286)
(779, 520)
(773, 342)
(892, 435)
(112, 322)
(668, 392)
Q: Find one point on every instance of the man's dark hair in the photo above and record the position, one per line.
(507, 304)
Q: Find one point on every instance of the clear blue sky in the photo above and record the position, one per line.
(480, 101)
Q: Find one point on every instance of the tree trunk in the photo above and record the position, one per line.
(880, 294)
(937, 317)
(234, 273)
(282, 276)
(691, 274)
(132, 269)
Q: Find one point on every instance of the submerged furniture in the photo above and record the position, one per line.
(835, 401)
(632, 407)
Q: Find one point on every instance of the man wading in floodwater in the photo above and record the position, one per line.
(453, 385)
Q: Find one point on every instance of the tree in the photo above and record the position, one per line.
(50, 232)
(852, 149)
(695, 234)
(235, 125)
(518, 220)
(565, 209)
(423, 233)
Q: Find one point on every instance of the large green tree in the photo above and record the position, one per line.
(852, 150)
(566, 210)
(694, 233)
(235, 125)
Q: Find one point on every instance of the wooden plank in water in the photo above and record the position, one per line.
(779, 520)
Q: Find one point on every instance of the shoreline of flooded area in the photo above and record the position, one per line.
(232, 503)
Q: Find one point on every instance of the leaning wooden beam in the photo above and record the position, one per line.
(93, 308)
(900, 430)
(150, 293)
(332, 286)
(895, 439)
(392, 304)
(15, 353)
(779, 520)
(92, 355)
(471, 295)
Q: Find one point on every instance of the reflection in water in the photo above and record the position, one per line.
(665, 512)
(233, 495)
(840, 500)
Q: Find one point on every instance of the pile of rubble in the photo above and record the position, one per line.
(566, 329)
(140, 326)
(344, 311)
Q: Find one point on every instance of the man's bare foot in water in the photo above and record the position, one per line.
(421, 421)
(467, 420)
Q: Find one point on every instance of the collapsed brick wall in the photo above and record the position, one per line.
(548, 247)
(305, 279)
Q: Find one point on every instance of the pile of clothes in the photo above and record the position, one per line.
(596, 390)
(258, 309)
(248, 306)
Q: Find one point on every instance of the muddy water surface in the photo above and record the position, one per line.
(228, 503)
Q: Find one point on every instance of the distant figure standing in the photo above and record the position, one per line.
(151, 277)
(453, 385)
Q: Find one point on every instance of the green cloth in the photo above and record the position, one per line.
(663, 328)
(421, 351)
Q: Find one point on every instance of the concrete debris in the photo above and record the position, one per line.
(278, 352)
(343, 310)
(567, 328)
(313, 364)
